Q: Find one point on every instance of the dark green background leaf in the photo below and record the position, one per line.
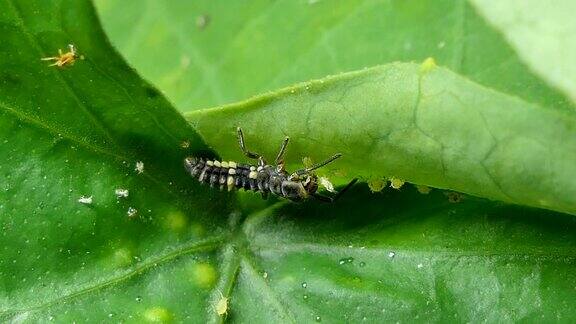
(245, 49)
(403, 256)
(542, 33)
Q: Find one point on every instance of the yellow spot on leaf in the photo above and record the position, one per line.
(204, 275)
(122, 257)
(428, 65)
(176, 221)
(158, 315)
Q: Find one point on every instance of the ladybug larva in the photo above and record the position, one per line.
(263, 177)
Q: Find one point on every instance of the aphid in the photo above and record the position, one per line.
(296, 186)
(63, 58)
(222, 306)
(396, 183)
(454, 197)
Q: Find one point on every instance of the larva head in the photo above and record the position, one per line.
(310, 183)
(301, 187)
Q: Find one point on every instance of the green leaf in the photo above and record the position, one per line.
(191, 253)
(406, 257)
(206, 53)
(427, 127)
(78, 131)
(543, 34)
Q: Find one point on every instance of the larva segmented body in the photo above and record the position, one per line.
(232, 175)
(264, 178)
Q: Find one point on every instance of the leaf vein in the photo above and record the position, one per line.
(204, 245)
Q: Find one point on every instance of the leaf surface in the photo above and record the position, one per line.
(78, 131)
(428, 127)
(404, 256)
(190, 253)
(206, 53)
(542, 33)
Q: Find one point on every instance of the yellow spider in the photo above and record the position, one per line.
(63, 58)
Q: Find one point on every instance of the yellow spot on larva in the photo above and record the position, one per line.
(230, 182)
(158, 315)
(376, 185)
(428, 65)
(222, 306)
(423, 189)
(396, 183)
(176, 221)
(204, 275)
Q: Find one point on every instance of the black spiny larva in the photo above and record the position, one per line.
(265, 178)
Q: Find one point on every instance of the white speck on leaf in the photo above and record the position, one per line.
(139, 167)
(85, 200)
(131, 212)
(121, 193)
